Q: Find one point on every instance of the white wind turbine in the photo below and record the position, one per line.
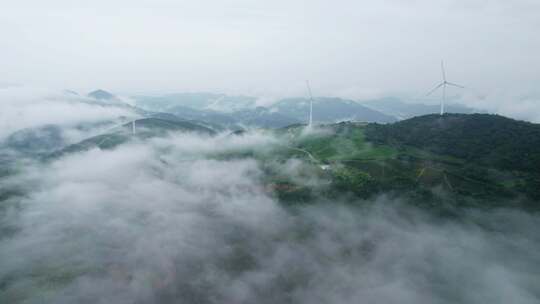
(443, 84)
(310, 105)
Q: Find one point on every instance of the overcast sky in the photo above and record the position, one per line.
(357, 49)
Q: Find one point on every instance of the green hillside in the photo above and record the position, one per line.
(428, 160)
(489, 140)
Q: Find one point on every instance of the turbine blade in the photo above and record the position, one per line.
(455, 85)
(435, 89)
(443, 71)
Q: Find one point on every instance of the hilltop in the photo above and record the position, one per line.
(145, 128)
(490, 140)
(101, 95)
(405, 110)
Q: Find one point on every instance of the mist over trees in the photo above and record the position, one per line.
(143, 207)
(284, 151)
(160, 221)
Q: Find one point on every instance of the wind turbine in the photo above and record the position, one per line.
(310, 105)
(443, 84)
(133, 127)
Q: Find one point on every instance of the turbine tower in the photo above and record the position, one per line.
(310, 105)
(133, 127)
(443, 84)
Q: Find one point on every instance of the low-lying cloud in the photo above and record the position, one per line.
(32, 108)
(152, 223)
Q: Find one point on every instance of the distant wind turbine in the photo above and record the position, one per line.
(443, 84)
(310, 105)
(133, 127)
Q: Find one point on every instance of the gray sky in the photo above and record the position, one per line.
(358, 49)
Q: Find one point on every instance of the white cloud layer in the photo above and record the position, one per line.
(148, 224)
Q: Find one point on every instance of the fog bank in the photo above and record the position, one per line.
(160, 222)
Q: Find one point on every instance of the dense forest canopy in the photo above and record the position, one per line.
(490, 140)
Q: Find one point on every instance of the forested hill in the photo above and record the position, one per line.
(486, 139)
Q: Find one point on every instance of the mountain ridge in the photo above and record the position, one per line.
(493, 139)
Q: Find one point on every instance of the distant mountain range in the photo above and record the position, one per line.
(243, 110)
(219, 112)
(329, 110)
(236, 111)
(197, 101)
